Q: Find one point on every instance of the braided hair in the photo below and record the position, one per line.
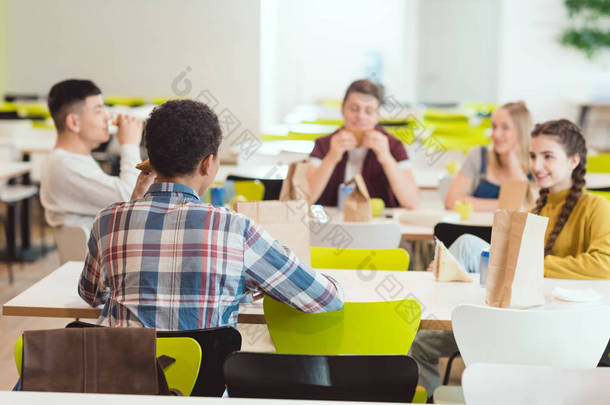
(570, 136)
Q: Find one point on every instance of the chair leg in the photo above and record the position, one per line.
(43, 224)
(11, 276)
(11, 234)
(448, 369)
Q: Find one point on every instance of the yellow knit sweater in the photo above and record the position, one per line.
(582, 248)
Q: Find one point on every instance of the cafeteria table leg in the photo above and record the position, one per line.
(11, 237)
(25, 224)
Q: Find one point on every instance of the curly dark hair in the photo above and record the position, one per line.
(570, 136)
(179, 134)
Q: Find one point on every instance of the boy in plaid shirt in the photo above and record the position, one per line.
(171, 261)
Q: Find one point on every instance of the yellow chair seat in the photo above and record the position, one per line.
(369, 259)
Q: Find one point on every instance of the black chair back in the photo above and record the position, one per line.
(216, 344)
(347, 378)
(448, 233)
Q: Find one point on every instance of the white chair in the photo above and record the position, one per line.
(357, 235)
(71, 243)
(574, 337)
(541, 385)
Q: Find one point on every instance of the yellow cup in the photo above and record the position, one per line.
(464, 209)
(377, 206)
(451, 167)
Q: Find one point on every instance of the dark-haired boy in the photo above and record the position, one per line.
(73, 187)
(171, 261)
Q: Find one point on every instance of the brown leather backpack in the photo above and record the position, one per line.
(94, 360)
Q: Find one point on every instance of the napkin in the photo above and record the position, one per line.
(565, 294)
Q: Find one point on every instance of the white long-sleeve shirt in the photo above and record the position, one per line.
(74, 188)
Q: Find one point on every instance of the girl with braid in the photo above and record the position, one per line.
(577, 240)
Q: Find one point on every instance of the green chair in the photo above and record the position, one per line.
(32, 110)
(605, 194)
(46, 124)
(180, 375)
(253, 190)
(183, 373)
(359, 328)
(377, 259)
(324, 121)
(128, 101)
(365, 328)
(158, 100)
(6, 106)
(292, 136)
(440, 114)
(598, 163)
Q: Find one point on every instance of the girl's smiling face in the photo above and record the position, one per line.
(551, 166)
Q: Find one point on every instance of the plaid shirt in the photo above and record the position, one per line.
(170, 261)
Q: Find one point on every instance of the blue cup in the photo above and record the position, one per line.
(344, 191)
(484, 266)
(217, 196)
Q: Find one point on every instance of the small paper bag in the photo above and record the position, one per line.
(512, 194)
(357, 205)
(286, 221)
(516, 260)
(446, 267)
(295, 186)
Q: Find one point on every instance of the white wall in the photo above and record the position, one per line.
(322, 47)
(458, 50)
(139, 47)
(536, 68)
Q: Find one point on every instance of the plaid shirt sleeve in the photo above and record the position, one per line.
(92, 286)
(277, 272)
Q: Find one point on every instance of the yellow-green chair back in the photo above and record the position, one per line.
(129, 101)
(599, 163)
(158, 100)
(253, 190)
(32, 109)
(359, 328)
(441, 114)
(183, 373)
(19, 354)
(180, 375)
(369, 259)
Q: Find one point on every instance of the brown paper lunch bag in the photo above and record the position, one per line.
(357, 205)
(295, 186)
(516, 260)
(286, 221)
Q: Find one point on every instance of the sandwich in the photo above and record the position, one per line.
(144, 166)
